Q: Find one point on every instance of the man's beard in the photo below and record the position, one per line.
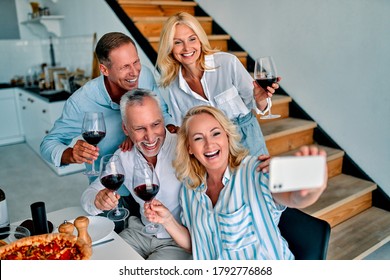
(150, 153)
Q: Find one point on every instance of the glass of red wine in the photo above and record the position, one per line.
(93, 131)
(112, 176)
(146, 186)
(265, 75)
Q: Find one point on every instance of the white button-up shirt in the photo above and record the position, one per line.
(226, 83)
(169, 185)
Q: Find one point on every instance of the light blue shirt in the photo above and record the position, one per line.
(93, 97)
(243, 224)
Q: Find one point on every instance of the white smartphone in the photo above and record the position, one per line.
(293, 173)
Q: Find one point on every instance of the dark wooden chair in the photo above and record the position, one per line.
(307, 236)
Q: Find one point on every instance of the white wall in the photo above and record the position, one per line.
(334, 58)
(89, 16)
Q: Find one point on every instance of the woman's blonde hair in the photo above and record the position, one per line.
(166, 63)
(188, 169)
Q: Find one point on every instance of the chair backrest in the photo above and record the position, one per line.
(307, 236)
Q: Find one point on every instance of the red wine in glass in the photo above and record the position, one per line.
(266, 82)
(93, 137)
(265, 75)
(113, 181)
(145, 192)
(146, 186)
(112, 177)
(93, 131)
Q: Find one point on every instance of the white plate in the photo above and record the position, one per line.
(99, 227)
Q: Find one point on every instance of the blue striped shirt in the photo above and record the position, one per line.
(243, 224)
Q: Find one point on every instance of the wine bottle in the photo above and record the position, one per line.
(4, 219)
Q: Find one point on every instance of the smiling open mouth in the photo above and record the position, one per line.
(188, 54)
(212, 154)
(150, 146)
(131, 80)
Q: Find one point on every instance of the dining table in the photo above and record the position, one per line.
(116, 248)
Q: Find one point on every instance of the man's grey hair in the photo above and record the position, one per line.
(135, 97)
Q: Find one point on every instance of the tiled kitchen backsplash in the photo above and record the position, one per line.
(18, 56)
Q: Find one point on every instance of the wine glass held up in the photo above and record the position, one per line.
(112, 176)
(93, 131)
(146, 186)
(265, 75)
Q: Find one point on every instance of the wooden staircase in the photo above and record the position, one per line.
(358, 228)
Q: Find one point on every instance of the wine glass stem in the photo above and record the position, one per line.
(117, 212)
(93, 166)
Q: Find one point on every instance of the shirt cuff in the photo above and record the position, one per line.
(88, 201)
(269, 105)
(57, 155)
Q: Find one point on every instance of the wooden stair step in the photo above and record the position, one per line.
(151, 26)
(283, 135)
(278, 99)
(157, 2)
(216, 41)
(156, 8)
(334, 159)
(345, 197)
(280, 106)
(359, 236)
(148, 1)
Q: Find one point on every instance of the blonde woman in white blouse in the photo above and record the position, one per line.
(195, 74)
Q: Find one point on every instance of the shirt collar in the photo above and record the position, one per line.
(226, 176)
(182, 82)
(225, 180)
(210, 67)
(106, 96)
(166, 144)
(209, 62)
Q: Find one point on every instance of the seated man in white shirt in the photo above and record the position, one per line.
(143, 122)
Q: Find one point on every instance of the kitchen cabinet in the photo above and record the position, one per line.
(11, 130)
(35, 119)
(38, 117)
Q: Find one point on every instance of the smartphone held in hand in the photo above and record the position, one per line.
(293, 173)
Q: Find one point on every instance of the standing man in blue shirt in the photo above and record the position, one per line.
(121, 72)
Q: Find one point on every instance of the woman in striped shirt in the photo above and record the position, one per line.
(228, 209)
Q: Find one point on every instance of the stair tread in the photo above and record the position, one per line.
(152, 2)
(282, 127)
(331, 153)
(279, 99)
(238, 53)
(360, 235)
(341, 189)
(210, 37)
